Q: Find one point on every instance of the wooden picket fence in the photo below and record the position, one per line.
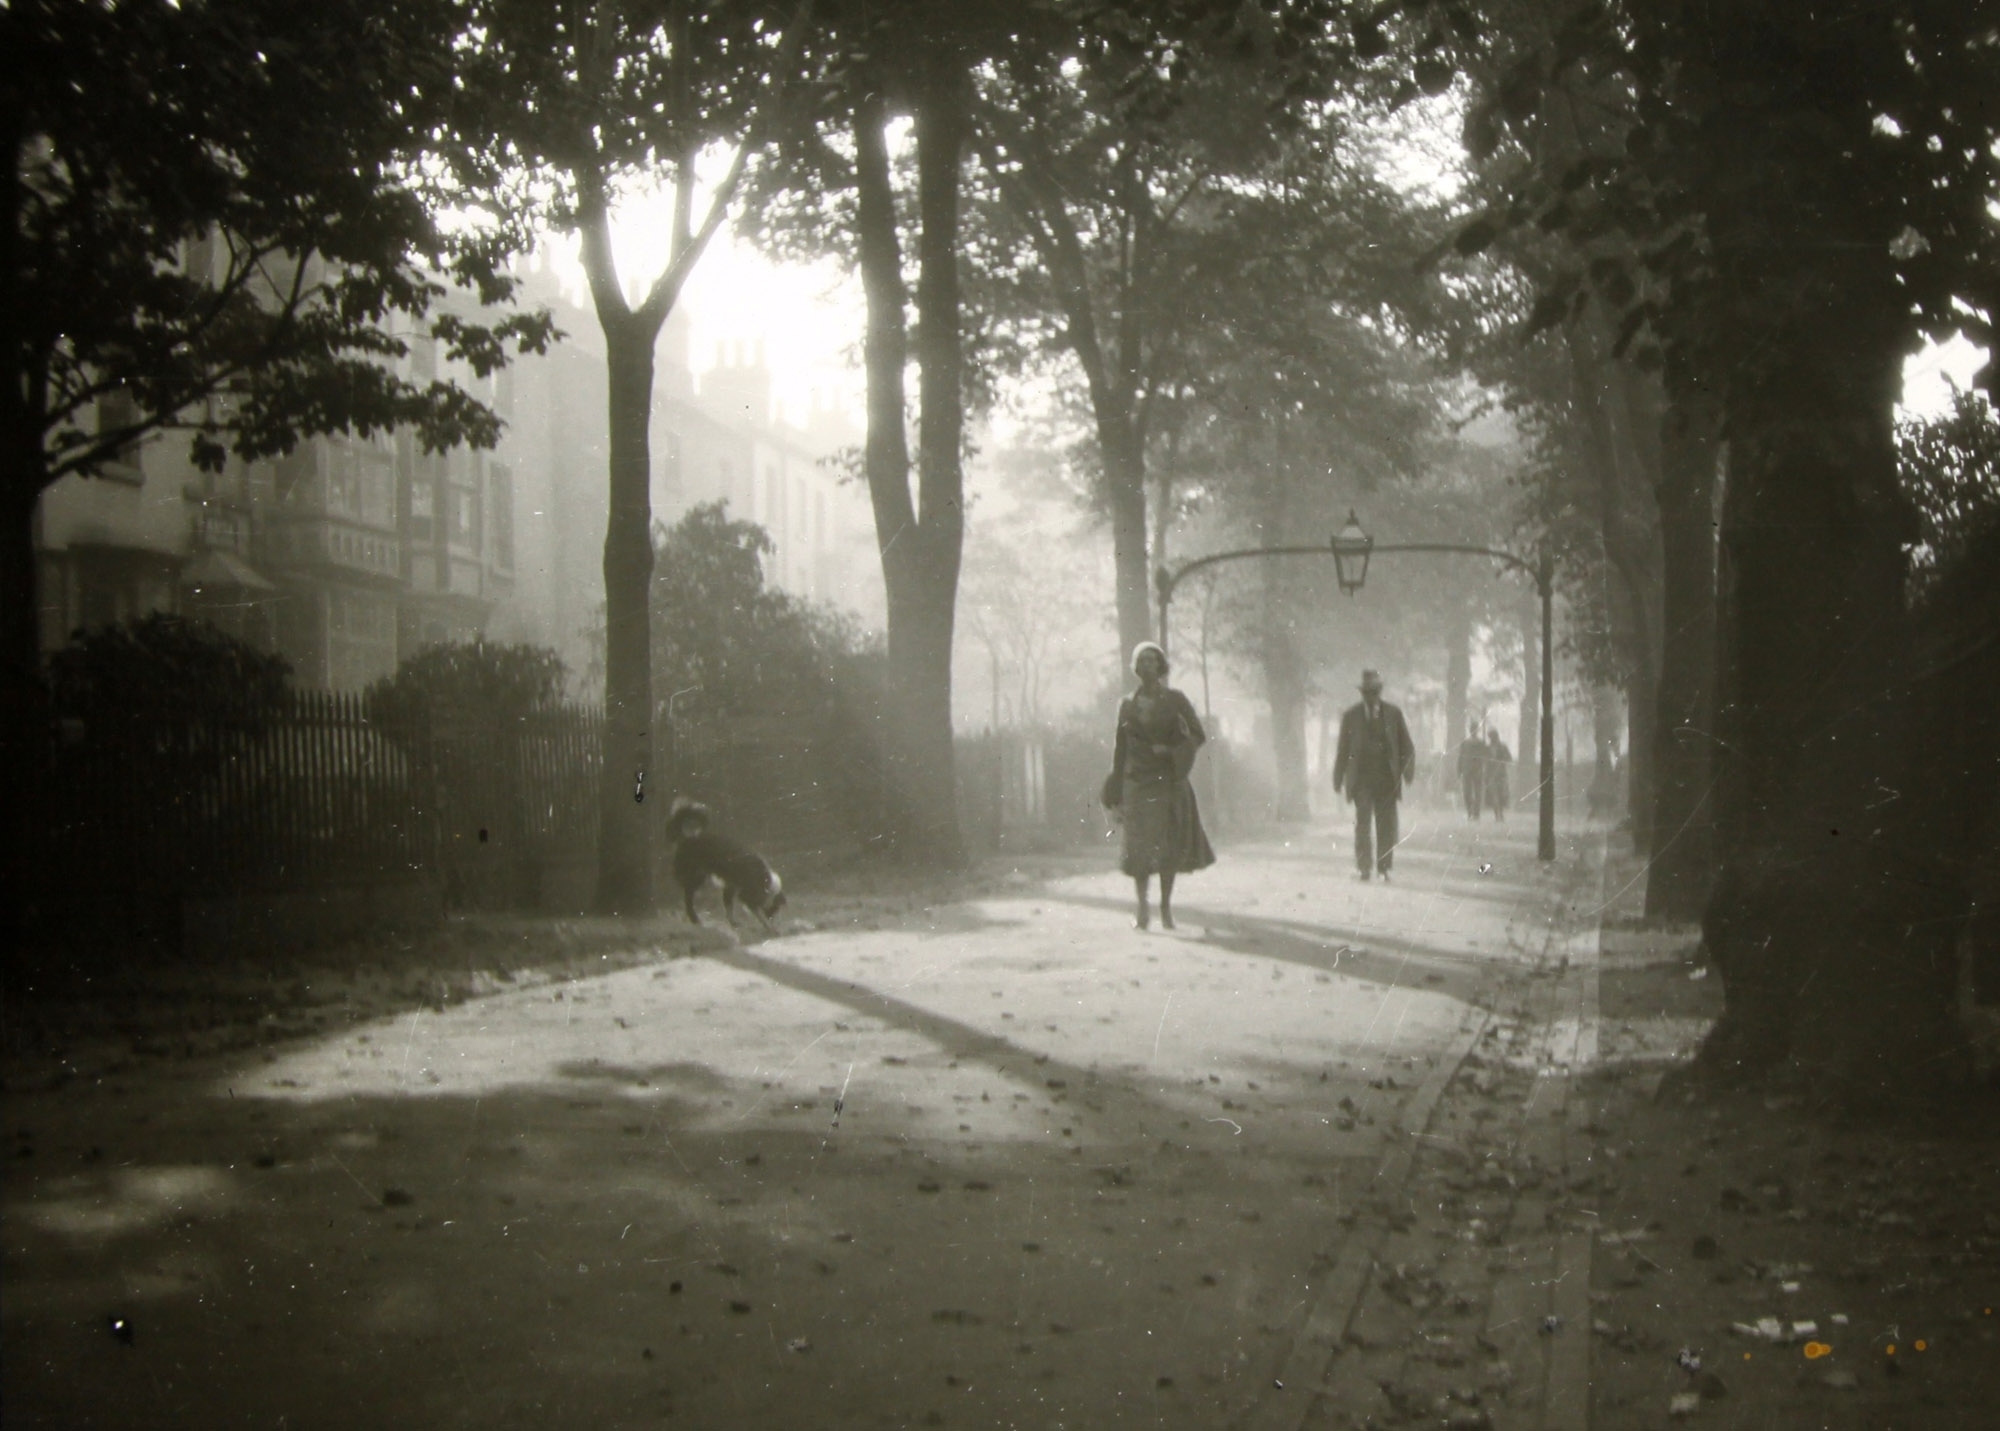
(146, 808)
(150, 810)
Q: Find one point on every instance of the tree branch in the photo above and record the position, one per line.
(666, 289)
(600, 266)
(1041, 207)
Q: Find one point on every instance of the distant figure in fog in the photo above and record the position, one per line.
(1498, 758)
(1472, 770)
(1158, 736)
(1374, 759)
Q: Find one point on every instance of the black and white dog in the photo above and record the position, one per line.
(702, 854)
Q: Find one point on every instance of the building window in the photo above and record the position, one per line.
(461, 517)
(343, 483)
(360, 483)
(500, 516)
(423, 510)
(378, 494)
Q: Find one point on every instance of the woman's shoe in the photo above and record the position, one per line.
(1141, 919)
(1166, 917)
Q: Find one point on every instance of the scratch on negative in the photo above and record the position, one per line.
(781, 1073)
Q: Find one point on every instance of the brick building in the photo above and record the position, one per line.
(349, 554)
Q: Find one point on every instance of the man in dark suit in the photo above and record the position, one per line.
(1472, 770)
(1371, 764)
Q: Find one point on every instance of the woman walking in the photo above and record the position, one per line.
(1158, 735)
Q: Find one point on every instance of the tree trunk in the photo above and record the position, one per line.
(920, 549)
(1832, 949)
(20, 616)
(1641, 728)
(1603, 795)
(625, 823)
(23, 478)
(921, 662)
(1125, 493)
(1284, 671)
(1528, 734)
(1621, 409)
(886, 454)
(1285, 692)
(23, 705)
(1162, 500)
(1683, 852)
(1833, 937)
(1457, 679)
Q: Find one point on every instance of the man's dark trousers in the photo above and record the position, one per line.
(1379, 852)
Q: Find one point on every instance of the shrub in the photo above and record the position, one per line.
(470, 681)
(164, 665)
(727, 646)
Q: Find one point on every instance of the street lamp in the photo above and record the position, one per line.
(1351, 547)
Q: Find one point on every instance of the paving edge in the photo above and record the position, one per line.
(1565, 1403)
(1284, 1405)
(1566, 1392)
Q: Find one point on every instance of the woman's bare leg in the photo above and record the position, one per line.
(1141, 918)
(1166, 899)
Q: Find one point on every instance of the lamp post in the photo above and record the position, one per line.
(1351, 549)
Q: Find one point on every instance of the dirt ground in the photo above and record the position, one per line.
(996, 1161)
(83, 1015)
(976, 1153)
(1764, 1261)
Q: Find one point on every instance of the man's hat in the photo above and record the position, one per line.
(1371, 680)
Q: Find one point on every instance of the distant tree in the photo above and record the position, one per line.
(715, 620)
(1302, 394)
(1140, 159)
(1030, 598)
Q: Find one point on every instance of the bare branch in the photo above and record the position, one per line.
(666, 288)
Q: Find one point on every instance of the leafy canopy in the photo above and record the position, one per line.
(1950, 467)
(219, 224)
(1725, 175)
